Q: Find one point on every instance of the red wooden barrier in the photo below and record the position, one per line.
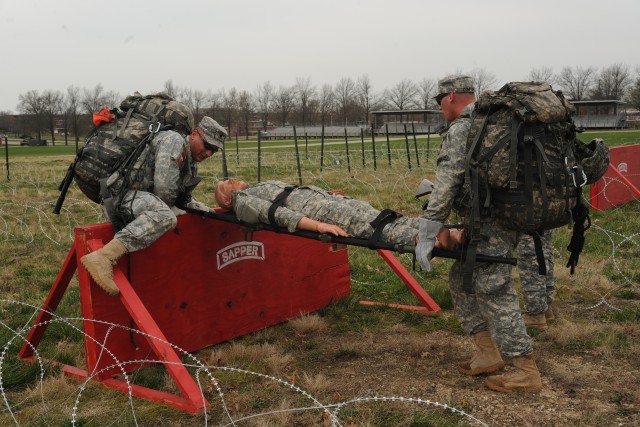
(196, 286)
(621, 182)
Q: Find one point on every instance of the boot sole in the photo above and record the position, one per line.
(98, 281)
(501, 389)
(478, 371)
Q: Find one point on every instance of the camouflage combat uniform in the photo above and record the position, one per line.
(162, 173)
(537, 290)
(354, 216)
(494, 303)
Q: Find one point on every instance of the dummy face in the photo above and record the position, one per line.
(224, 189)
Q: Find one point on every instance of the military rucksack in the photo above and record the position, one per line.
(524, 163)
(112, 145)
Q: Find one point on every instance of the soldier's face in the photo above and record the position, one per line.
(447, 107)
(199, 151)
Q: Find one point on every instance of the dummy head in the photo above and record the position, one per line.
(224, 190)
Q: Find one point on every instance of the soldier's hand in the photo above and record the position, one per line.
(325, 228)
(177, 211)
(194, 204)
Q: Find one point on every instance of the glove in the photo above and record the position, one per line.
(194, 204)
(177, 211)
(426, 242)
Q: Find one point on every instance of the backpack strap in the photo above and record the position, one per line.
(580, 215)
(537, 244)
(126, 121)
(279, 201)
(385, 217)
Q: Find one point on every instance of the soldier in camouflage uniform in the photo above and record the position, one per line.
(313, 209)
(491, 314)
(537, 290)
(163, 177)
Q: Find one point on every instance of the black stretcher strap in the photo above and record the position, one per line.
(279, 201)
(385, 217)
(352, 241)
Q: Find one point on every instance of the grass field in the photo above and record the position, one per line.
(378, 366)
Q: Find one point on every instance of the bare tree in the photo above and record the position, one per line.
(612, 82)
(214, 100)
(305, 92)
(112, 98)
(185, 96)
(284, 102)
(199, 99)
(542, 74)
(31, 103)
(633, 96)
(326, 100)
(229, 106)
(426, 91)
(483, 80)
(366, 100)
(170, 89)
(52, 103)
(402, 95)
(73, 111)
(245, 108)
(264, 98)
(93, 99)
(576, 82)
(344, 93)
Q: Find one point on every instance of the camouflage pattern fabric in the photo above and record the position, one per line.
(162, 173)
(537, 290)
(449, 192)
(494, 305)
(354, 216)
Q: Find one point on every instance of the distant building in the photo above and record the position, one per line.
(600, 114)
(420, 121)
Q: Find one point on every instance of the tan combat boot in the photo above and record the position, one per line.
(537, 321)
(549, 313)
(525, 377)
(100, 264)
(487, 358)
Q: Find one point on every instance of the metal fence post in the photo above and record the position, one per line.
(259, 152)
(362, 141)
(346, 143)
(415, 143)
(406, 143)
(295, 141)
(386, 130)
(6, 153)
(322, 148)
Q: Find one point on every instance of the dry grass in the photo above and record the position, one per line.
(308, 325)
(588, 358)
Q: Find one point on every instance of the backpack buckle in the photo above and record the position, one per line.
(158, 125)
(577, 170)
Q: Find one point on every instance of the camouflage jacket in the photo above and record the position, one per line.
(449, 192)
(165, 167)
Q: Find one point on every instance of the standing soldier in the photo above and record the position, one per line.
(491, 314)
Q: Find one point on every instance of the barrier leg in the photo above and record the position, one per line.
(429, 305)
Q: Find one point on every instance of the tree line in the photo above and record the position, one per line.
(349, 101)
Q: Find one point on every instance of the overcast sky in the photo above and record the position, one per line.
(129, 45)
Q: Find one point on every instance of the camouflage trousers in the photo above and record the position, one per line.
(537, 290)
(355, 216)
(148, 219)
(494, 304)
